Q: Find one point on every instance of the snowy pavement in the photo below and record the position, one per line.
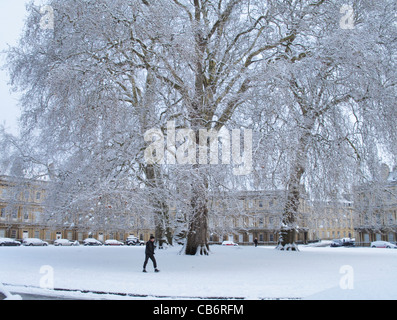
(228, 272)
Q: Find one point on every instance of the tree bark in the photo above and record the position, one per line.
(197, 236)
(288, 225)
(163, 231)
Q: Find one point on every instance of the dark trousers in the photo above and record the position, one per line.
(151, 257)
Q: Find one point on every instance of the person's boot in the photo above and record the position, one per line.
(144, 271)
(156, 270)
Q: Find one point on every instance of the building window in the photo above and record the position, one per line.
(3, 213)
(37, 216)
(38, 195)
(14, 214)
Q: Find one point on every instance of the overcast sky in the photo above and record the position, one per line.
(12, 15)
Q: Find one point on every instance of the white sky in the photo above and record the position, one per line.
(12, 15)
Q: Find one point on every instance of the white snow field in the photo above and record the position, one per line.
(228, 272)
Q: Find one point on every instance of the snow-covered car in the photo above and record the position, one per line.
(229, 243)
(383, 244)
(92, 242)
(336, 243)
(65, 242)
(6, 242)
(113, 242)
(345, 242)
(134, 241)
(34, 242)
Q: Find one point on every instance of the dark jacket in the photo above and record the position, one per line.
(149, 248)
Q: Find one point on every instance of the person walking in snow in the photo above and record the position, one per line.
(149, 254)
(256, 242)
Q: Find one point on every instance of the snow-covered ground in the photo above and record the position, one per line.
(228, 272)
(7, 295)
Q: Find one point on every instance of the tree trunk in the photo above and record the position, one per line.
(197, 235)
(163, 231)
(288, 225)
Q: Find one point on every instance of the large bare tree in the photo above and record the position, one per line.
(334, 89)
(110, 71)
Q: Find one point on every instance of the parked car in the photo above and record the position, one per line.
(92, 242)
(229, 243)
(113, 242)
(383, 244)
(345, 242)
(134, 241)
(65, 242)
(336, 243)
(6, 242)
(34, 242)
